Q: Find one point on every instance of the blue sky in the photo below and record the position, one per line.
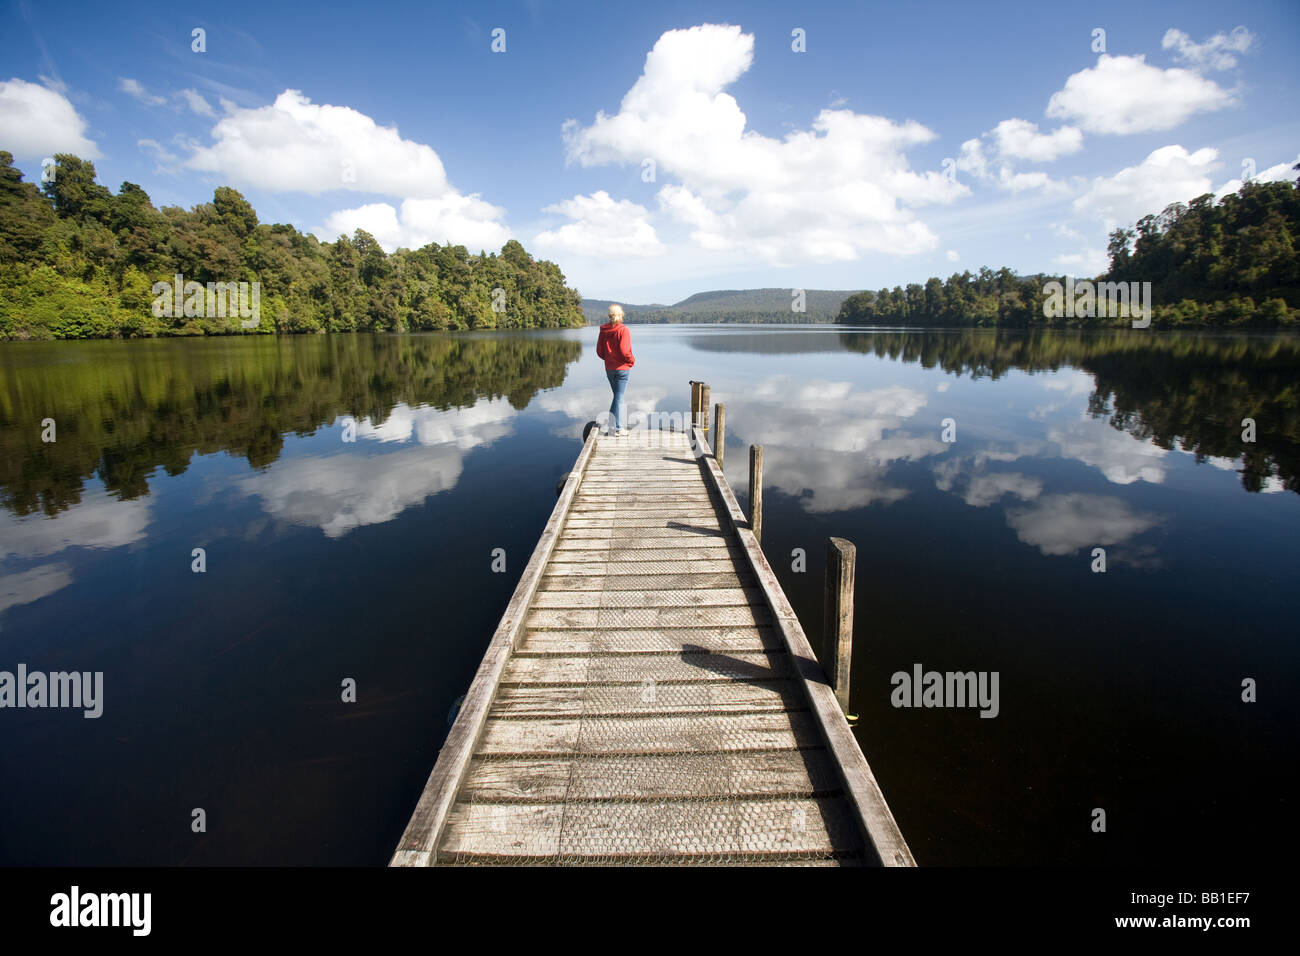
(904, 141)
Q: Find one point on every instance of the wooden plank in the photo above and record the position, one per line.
(742, 773)
(632, 555)
(667, 493)
(641, 498)
(651, 640)
(663, 470)
(663, 830)
(634, 480)
(658, 734)
(683, 512)
(603, 568)
(698, 597)
(766, 861)
(667, 467)
(666, 504)
(675, 462)
(664, 465)
(633, 582)
(671, 531)
(503, 828)
(419, 842)
(684, 542)
(629, 525)
(649, 450)
(687, 557)
(637, 669)
(648, 617)
(603, 700)
(643, 484)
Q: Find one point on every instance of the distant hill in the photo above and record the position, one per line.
(730, 305)
(597, 310)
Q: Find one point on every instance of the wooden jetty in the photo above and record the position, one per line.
(649, 696)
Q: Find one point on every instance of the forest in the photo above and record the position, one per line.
(1231, 263)
(78, 261)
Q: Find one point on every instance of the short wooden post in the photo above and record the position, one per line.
(719, 431)
(756, 491)
(695, 404)
(837, 627)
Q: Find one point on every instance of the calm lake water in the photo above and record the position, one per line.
(371, 560)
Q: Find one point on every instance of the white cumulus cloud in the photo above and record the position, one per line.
(294, 145)
(1125, 94)
(1020, 139)
(832, 192)
(1169, 174)
(602, 226)
(36, 122)
(1001, 171)
(450, 219)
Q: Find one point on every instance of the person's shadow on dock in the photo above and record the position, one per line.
(698, 529)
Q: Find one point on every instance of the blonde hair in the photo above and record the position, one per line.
(615, 312)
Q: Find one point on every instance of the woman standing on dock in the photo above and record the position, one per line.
(615, 346)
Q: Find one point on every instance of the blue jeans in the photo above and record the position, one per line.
(618, 382)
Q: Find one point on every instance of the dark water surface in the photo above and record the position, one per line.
(371, 560)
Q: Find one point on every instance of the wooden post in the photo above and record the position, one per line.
(837, 627)
(756, 491)
(704, 408)
(719, 431)
(695, 404)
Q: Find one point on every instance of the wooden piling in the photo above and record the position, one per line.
(756, 491)
(837, 627)
(695, 404)
(719, 431)
(704, 408)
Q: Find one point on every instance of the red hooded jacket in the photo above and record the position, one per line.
(615, 347)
